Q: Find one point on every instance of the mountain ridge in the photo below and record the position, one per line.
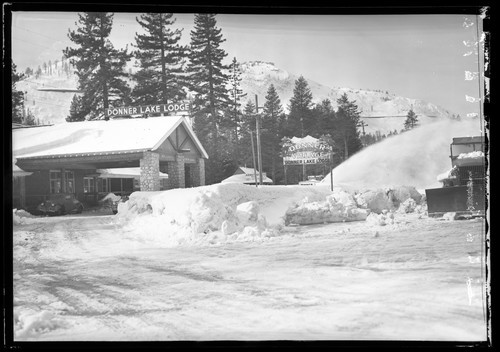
(49, 96)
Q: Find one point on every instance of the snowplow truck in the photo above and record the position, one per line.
(464, 185)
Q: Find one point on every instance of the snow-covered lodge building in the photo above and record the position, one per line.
(93, 158)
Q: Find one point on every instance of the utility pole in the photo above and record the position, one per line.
(259, 154)
(25, 100)
(363, 124)
(253, 157)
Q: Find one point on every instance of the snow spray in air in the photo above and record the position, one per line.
(413, 158)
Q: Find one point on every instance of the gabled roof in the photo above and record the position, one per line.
(98, 137)
(245, 170)
(246, 179)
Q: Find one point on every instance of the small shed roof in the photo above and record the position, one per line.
(246, 179)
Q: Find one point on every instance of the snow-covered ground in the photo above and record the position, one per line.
(228, 262)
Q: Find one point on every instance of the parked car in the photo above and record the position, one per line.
(311, 180)
(59, 204)
(114, 205)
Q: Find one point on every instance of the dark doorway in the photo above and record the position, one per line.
(187, 176)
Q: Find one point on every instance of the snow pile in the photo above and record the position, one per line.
(31, 324)
(408, 206)
(471, 155)
(22, 217)
(450, 216)
(215, 213)
(414, 157)
(233, 212)
(338, 207)
(110, 198)
(386, 218)
(389, 199)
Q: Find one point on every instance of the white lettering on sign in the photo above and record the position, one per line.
(148, 109)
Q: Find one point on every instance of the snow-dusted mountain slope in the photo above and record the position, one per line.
(49, 96)
(382, 111)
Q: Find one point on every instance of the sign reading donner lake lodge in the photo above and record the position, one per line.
(147, 109)
(307, 150)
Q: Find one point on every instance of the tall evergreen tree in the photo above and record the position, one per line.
(99, 66)
(411, 120)
(324, 118)
(272, 124)
(300, 117)
(236, 94)
(17, 95)
(208, 82)
(346, 122)
(162, 60)
(30, 119)
(76, 110)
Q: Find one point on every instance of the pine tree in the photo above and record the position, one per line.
(38, 72)
(99, 66)
(236, 93)
(208, 82)
(76, 110)
(272, 123)
(30, 118)
(411, 120)
(324, 119)
(346, 122)
(161, 59)
(17, 95)
(299, 118)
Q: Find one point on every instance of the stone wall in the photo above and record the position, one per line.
(150, 168)
(198, 173)
(176, 172)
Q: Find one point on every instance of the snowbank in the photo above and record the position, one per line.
(414, 157)
(387, 199)
(31, 324)
(22, 217)
(235, 212)
(339, 206)
(221, 210)
(110, 198)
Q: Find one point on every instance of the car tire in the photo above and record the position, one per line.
(79, 209)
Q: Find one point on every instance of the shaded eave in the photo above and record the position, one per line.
(75, 155)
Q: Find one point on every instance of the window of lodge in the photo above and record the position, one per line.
(56, 181)
(88, 185)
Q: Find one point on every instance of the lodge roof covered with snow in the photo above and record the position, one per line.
(98, 137)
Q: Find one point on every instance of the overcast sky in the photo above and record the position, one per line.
(415, 56)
